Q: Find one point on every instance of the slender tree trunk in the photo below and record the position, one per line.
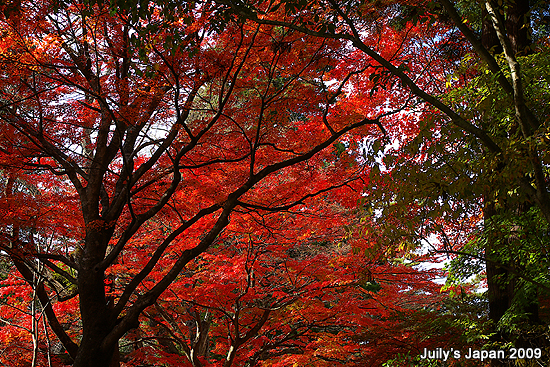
(34, 328)
(499, 296)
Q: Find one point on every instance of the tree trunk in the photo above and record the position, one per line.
(501, 284)
(94, 310)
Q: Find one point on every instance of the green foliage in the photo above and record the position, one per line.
(373, 287)
(406, 360)
(339, 148)
(519, 237)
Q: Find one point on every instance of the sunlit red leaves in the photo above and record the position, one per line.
(16, 323)
(320, 302)
(287, 281)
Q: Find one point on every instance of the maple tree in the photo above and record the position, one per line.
(181, 184)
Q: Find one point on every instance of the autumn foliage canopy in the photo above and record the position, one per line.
(227, 184)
